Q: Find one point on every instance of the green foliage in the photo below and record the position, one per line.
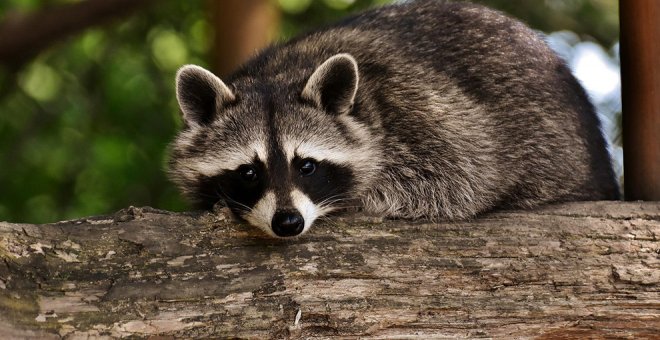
(597, 19)
(304, 15)
(84, 127)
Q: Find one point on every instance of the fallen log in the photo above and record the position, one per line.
(578, 270)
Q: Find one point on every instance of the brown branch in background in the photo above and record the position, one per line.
(23, 36)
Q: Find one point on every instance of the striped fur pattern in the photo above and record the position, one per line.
(422, 110)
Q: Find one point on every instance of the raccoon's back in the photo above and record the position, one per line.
(468, 91)
(533, 110)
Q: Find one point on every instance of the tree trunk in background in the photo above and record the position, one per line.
(640, 71)
(241, 28)
(586, 270)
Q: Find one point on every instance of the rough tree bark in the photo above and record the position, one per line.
(579, 270)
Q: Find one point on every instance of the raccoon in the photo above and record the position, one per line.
(420, 110)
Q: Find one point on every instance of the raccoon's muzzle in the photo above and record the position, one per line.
(287, 223)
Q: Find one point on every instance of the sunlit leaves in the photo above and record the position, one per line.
(169, 50)
(200, 33)
(294, 6)
(92, 43)
(339, 4)
(40, 81)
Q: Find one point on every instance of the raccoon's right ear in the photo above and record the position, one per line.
(333, 85)
(201, 94)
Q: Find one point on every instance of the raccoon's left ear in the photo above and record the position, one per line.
(333, 85)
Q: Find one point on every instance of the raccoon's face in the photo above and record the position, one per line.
(279, 161)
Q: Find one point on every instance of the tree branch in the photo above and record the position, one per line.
(22, 36)
(578, 270)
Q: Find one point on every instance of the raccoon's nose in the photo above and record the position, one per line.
(287, 223)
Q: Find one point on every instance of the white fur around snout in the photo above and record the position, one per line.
(306, 208)
(262, 214)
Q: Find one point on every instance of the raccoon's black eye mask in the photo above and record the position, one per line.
(248, 172)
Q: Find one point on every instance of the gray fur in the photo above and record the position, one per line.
(459, 109)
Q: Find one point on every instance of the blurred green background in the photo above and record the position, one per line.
(85, 123)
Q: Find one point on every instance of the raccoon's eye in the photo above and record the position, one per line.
(248, 173)
(308, 167)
